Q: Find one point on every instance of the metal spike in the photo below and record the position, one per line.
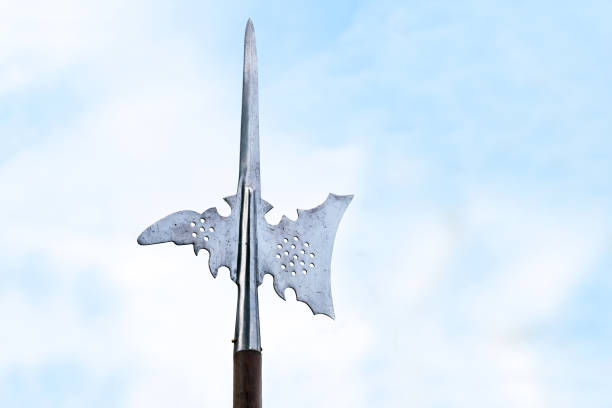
(249, 127)
(247, 336)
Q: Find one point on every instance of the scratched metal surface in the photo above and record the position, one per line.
(298, 253)
(208, 230)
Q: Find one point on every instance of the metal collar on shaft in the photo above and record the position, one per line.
(247, 335)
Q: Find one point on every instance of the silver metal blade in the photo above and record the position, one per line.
(249, 127)
(208, 230)
(298, 253)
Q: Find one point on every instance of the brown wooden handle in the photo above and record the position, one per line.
(247, 379)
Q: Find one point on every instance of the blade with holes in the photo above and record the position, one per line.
(296, 253)
(208, 230)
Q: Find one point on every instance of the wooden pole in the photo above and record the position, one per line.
(247, 379)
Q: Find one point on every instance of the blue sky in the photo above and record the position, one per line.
(473, 267)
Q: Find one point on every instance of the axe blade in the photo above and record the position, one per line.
(298, 253)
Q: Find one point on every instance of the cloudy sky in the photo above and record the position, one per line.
(473, 267)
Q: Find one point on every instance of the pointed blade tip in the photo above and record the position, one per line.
(249, 35)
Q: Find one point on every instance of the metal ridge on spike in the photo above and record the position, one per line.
(296, 253)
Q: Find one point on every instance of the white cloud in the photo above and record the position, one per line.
(38, 38)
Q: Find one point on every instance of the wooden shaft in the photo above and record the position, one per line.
(247, 379)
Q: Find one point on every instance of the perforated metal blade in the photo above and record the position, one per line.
(296, 253)
(208, 230)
